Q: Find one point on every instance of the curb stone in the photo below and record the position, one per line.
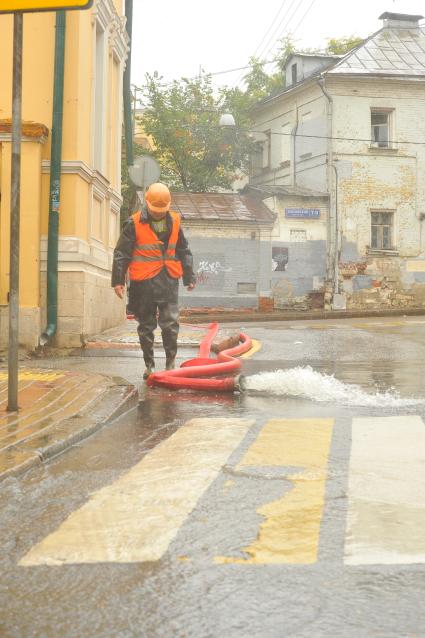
(61, 436)
(293, 315)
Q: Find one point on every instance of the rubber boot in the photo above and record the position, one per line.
(170, 364)
(150, 369)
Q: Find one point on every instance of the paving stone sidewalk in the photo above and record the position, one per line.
(57, 408)
(124, 337)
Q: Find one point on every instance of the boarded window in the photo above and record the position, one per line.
(382, 230)
(246, 288)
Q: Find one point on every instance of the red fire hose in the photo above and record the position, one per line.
(190, 374)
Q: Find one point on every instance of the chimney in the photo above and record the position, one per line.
(400, 20)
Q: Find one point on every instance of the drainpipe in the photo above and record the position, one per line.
(294, 148)
(55, 181)
(127, 88)
(332, 266)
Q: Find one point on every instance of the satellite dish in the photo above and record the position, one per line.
(145, 171)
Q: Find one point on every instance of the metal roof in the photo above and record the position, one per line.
(221, 207)
(289, 191)
(391, 51)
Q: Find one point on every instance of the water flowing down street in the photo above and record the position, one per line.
(295, 508)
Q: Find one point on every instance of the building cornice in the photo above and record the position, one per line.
(31, 131)
(89, 175)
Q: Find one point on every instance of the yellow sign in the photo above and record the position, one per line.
(47, 5)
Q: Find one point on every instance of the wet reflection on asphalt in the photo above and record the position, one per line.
(295, 469)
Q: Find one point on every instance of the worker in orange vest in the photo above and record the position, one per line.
(154, 250)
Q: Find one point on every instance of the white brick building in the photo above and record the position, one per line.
(342, 163)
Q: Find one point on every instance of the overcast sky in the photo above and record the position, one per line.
(177, 38)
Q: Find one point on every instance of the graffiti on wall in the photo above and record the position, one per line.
(280, 258)
(210, 272)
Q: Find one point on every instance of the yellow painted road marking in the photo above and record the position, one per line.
(291, 527)
(34, 376)
(386, 492)
(136, 518)
(256, 346)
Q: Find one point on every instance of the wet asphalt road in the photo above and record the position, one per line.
(241, 558)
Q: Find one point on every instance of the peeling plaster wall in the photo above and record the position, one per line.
(294, 116)
(304, 243)
(381, 180)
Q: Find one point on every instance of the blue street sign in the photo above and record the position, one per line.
(302, 213)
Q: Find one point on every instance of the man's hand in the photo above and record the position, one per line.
(119, 291)
(191, 286)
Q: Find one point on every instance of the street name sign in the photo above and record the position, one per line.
(302, 213)
(7, 6)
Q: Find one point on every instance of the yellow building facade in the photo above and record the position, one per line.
(95, 55)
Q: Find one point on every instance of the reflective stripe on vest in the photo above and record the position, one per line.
(149, 257)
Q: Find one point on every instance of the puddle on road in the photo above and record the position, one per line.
(307, 383)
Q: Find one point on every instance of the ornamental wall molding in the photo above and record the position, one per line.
(31, 131)
(89, 175)
(106, 16)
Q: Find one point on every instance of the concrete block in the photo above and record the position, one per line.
(69, 325)
(71, 307)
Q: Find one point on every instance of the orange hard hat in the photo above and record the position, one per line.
(158, 198)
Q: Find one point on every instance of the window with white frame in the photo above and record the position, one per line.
(380, 121)
(99, 99)
(382, 228)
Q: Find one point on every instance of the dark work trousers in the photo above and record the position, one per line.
(155, 301)
(149, 315)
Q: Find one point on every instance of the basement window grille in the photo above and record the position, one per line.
(297, 234)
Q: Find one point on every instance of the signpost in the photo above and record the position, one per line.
(17, 8)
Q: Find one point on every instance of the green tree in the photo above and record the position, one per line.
(341, 46)
(258, 83)
(194, 152)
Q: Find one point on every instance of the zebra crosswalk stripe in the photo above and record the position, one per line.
(136, 518)
(386, 493)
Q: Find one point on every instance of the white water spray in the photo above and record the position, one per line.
(309, 384)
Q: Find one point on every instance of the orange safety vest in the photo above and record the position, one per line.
(148, 258)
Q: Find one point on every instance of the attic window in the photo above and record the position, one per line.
(294, 73)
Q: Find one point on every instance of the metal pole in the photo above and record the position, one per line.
(13, 352)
